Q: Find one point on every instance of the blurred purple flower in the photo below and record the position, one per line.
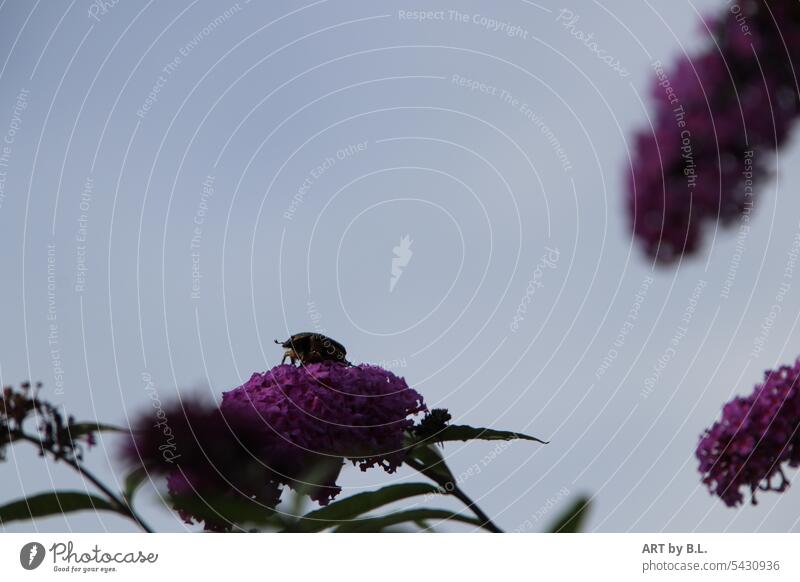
(718, 116)
(207, 456)
(755, 436)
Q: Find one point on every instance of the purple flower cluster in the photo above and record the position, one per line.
(718, 117)
(282, 428)
(755, 436)
(210, 460)
(354, 412)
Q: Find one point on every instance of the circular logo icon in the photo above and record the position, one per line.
(31, 555)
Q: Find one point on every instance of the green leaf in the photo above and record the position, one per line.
(377, 524)
(572, 520)
(456, 432)
(83, 428)
(56, 502)
(132, 482)
(433, 465)
(359, 504)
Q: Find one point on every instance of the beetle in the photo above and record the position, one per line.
(311, 348)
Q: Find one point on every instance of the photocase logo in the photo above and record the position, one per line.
(402, 256)
(31, 555)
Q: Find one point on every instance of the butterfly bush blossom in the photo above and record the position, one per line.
(718, 116)
(755, 437)
(356, 412)
(207, 457)
(279, 428)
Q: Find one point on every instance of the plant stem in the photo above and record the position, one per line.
(487, 522)
(122, 506)
(451, 488)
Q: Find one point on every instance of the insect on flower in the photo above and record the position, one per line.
(312, 348)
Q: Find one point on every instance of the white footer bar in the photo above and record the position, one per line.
(406, 557)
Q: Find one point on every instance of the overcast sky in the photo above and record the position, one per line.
(199, 178)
